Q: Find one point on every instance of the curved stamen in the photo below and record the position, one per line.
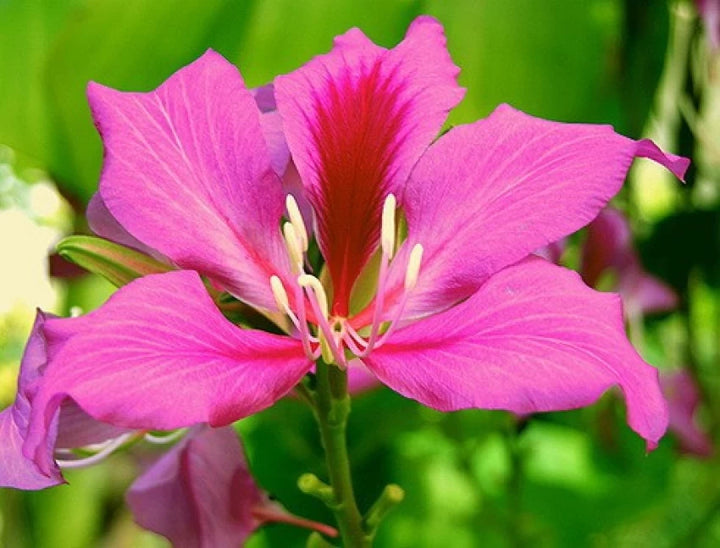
(164, 439)
(318, 300)
(300, 323)
(108, 448)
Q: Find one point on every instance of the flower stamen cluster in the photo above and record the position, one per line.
(334, 333)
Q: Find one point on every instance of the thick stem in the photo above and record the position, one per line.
(332, 410)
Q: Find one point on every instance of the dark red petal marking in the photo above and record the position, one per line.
(359, 125)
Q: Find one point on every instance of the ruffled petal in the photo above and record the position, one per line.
(533, 338)
(69, 427)
(187, 172)
(356, 121)
(17, 470)
(490, 193)
(200, 493)
(159, 355)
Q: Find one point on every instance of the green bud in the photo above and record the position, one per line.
(116, 263)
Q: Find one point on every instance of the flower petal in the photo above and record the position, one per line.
(356, 121)
(533, 338)
(159, 355)
(187, 172)
(488, 194)
(200, 493)
(70, 427)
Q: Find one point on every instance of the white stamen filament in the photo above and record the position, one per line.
(329, 339)
(387, 231)
(107, 448)
(165, 439)
(297, 221)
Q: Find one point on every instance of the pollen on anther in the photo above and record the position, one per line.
(387, 233)
(307, 280)
(297, 221)
(293, 244)
(413, 267)
(278, 290)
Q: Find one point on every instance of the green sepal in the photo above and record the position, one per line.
(116, 263)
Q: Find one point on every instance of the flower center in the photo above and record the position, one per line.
(334, 335)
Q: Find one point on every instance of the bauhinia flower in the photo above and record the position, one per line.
(424, 275)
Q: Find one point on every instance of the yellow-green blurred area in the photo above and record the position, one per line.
(472, 478)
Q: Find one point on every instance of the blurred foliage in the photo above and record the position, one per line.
(576, 478)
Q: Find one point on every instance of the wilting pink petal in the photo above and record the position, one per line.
(200, 493)
(356, 121)
(646, 293)
(607, 248)
(72, 429)
(490, 193)
(187, 172)
(683, 400)
(160, 356)
(533, 338)
(710, 13)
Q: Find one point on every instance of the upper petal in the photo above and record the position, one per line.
(490, 193)
(159, 355)
(187, 172)
(356, 121)
(533, 338)
(200, 493)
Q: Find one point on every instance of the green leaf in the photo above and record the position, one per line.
(116, 263)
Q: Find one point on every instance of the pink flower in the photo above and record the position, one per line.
(444, 305)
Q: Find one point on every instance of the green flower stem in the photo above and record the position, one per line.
(332, 407)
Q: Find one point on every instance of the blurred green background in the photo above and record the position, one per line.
(472, 478)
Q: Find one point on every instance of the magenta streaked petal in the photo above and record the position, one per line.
(533, 338)
(159, 355)
(356, 121)
(683, 398)
(187, 172)
(200, 493)
(490, 193)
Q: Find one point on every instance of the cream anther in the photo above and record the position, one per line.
(387, 233)
(294, 246)
(309, 281)
(281, 297)
(413, 268)
(297, 221)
